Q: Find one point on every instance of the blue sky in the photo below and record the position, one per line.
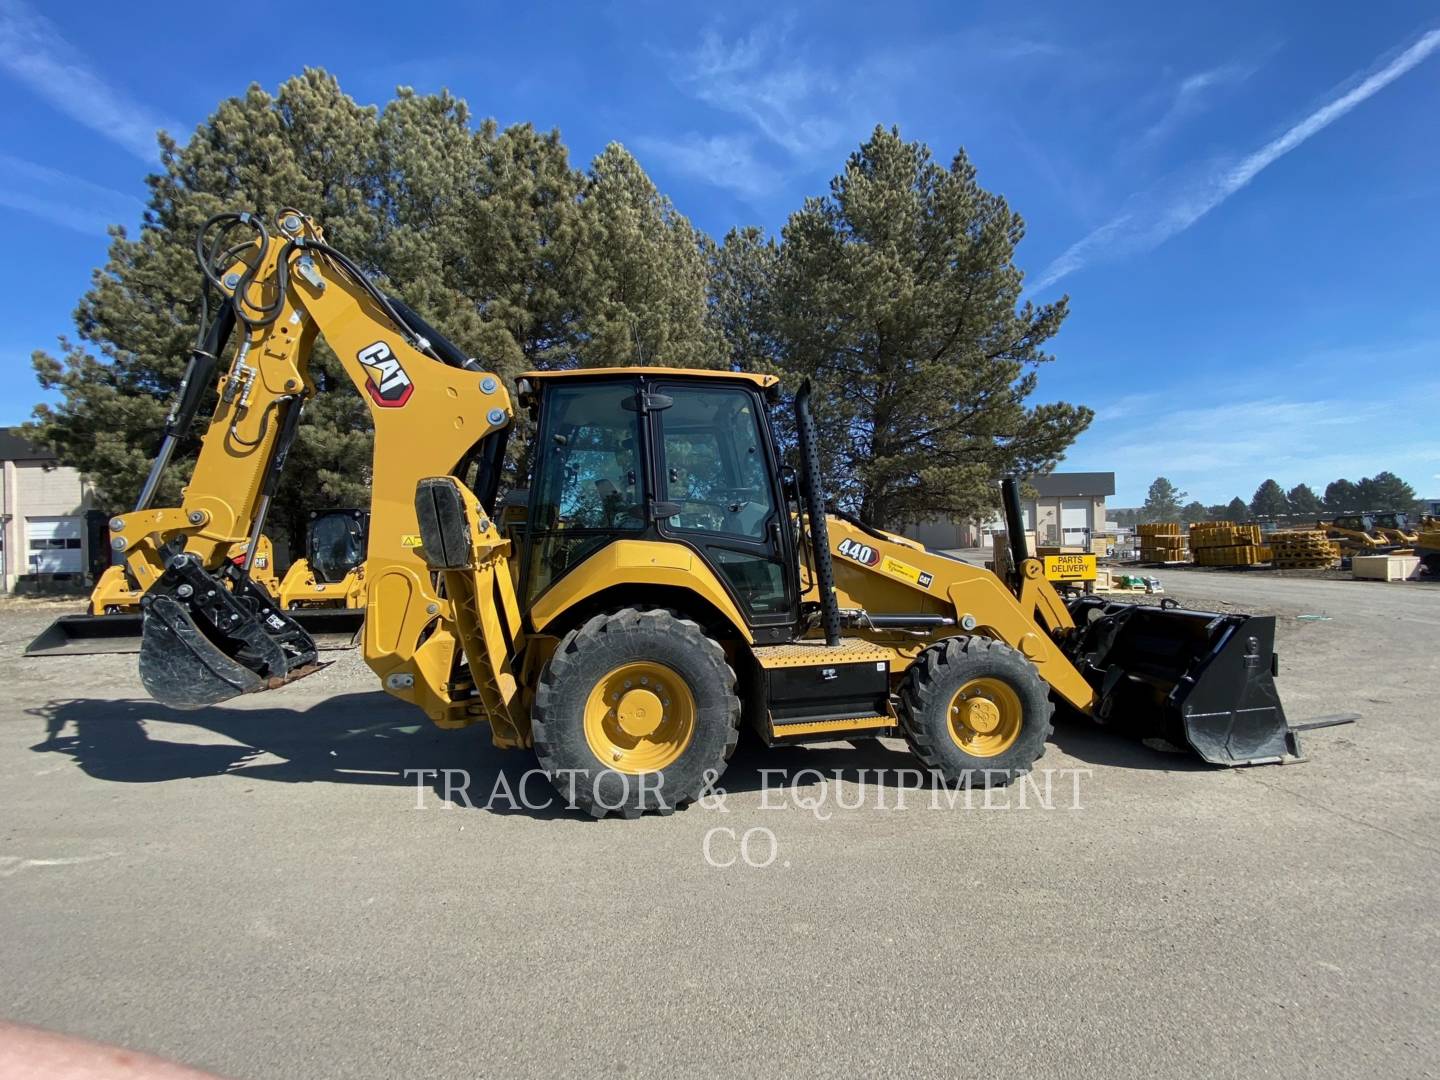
(1240, 199)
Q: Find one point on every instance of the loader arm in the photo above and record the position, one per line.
(877, 571)
(432, 410)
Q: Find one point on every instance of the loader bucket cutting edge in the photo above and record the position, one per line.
(1196, 679)
(80, 635)
(93, 635)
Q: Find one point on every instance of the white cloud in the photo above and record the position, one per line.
(727, 161)
(33, 52)
(1189, 97)
(1152, 218)
(798, 110)
(1226, 447)
(63, 199)
(764, 79)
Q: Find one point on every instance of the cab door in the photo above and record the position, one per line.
(717, 491)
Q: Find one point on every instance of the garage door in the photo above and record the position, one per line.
(1075, 523)
(55, 545)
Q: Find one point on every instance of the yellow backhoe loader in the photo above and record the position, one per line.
(665, 580)
(332, 572)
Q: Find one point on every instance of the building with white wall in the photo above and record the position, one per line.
(43, 524)
(1067, 510)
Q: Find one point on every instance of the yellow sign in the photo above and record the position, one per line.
(410, 540)
(912, 574)
(1070, 567)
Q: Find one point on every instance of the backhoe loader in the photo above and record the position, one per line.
(331, 574)
(665, 581)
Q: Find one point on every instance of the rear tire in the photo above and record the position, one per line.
(636, 711)
(975, 711)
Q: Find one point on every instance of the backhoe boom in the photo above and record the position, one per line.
(432, 410)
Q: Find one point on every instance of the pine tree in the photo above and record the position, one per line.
(897, 294)
(1269, 501)
(742, 281)
(1385, 491)
(1303, 501)
(520, 259)
(1341, 497)
(1194, 511)
(1162, 501)
(649, 271)
(1237, 511)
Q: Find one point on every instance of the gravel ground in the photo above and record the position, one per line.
(252, 889)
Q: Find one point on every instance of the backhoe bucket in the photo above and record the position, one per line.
(180, 667)
(80, 635)
(1196, 679)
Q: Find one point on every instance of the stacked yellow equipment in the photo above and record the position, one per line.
(1162, 542)
(1224, 543)
(1304, 549)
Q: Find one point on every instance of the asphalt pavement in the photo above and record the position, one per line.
(292, 885)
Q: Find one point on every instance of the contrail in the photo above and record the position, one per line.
(33, 52)
(1148, 227)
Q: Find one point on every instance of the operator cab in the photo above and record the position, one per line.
(682, 456)
(335, 543)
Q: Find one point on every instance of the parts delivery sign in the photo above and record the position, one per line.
(1070, 567)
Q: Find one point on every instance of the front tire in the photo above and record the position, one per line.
(636, 711)
(976, 711)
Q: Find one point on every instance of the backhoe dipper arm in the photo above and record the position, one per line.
(431, 409)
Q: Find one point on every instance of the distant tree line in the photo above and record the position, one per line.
(1383, 491)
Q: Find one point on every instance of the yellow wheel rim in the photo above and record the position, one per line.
(985, 717)
(640, 717)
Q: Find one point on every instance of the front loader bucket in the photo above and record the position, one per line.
(1197, 679)
(79, 635)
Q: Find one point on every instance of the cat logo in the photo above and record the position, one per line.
(388, 384)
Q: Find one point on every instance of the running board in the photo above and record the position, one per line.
(825, 730)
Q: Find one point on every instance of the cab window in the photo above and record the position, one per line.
(588, 483)
(713, 465)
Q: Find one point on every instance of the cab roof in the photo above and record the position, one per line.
(768, 383)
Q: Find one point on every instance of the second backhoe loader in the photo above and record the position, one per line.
(665, 582)
(331, 574)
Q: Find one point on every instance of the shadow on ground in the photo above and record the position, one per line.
(370, 738)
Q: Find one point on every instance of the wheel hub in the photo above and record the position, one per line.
(985, 716)
(640, 717)
(639, 713)
(980, 715)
